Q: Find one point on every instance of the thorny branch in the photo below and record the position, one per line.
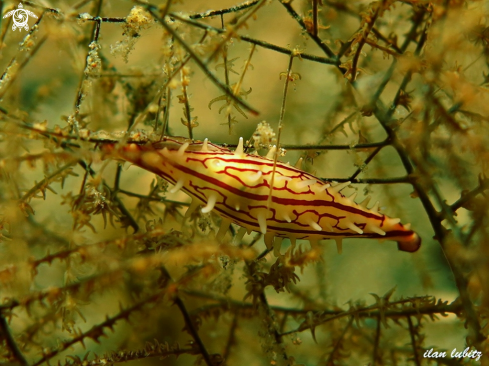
(149, 246)
(153, 349)
(319, 42)
(412, 333)
(422, 305)
(370, 22)
(81, 87)
(384, 117)
(257, 42)
(467, 197)
(98, 331)
(26, 51)
(189, 325)
(7, 336)
(199, 62)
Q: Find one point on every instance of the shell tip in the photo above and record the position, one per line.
(339, 245)
(411, 244)
(205, 146)
(271, 152)
(210, 204)
(178, 186)
(269, 240)
(239, 236)
(277, 245)
(353, 227)
(193, 206)
(225, 223)
(375, 208)
(340, 186)
(375, 229)
(365, 202)
(182, 149)
(315, 226)
(353, 196)
(262, 222)
(298, 165)
(240, 149)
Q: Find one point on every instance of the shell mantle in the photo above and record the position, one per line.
(252, 191)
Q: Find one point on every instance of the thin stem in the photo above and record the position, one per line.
(231, 338)
(122, 208)
(2, 37)
(189, 325)
(362, 42)
(387, 41)
(166, 9)
(384, 49)
(104, 19)
(339, 342)
(166, 116)
(7, 79)
(195, 335)
(176, 71)
(342, 123)
(366, 162)
(226, 74)
(81, 86)
(151, 198)
(44, 8)
(413, 341)
(230, 32)
(158, 112)
(151, 9)
(467, 197)
(117, 178)
(280, 126)
(12, 345)
(262, 254)
(317, 40)
(286, 147)
(270, 317)
(286, 51)
(237, 87)
(188, 116)
(371, 145)
(233, 9)
(417, 19)
(315, 17)
(376, 358)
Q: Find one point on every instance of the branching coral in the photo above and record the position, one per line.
(101, 263)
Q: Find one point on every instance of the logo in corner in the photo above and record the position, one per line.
(20, 17)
